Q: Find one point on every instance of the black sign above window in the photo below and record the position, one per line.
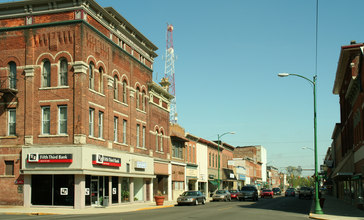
(99, 159)
(49, 158)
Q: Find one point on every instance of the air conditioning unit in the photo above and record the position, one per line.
(33, 157)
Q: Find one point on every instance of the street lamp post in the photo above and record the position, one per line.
(218, 157)
(318, 209)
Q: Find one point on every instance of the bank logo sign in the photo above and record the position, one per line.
(49, 158)
(100, 159)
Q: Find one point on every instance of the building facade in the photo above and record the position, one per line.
(86, 125)
(348, 136)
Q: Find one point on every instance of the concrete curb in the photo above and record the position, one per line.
(313, 217)
(156, 207)
(27, 213)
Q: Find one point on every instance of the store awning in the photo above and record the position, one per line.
(214, 182)
(229, 174)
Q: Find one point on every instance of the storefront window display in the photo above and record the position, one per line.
(125, 189)
(52, 190)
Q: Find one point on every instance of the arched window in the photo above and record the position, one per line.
(116, 89)
(12, 75)
(156, 141)
(137, 98)
(161, 142)
(63, 73)
(101, 81)
(124, 92)
(144, 100)
(91, 76)
(46, 73)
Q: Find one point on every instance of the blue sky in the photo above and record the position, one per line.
(228, 56)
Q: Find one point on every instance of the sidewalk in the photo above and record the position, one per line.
(127, 207)
(335, 209)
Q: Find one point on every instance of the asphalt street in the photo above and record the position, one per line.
(282, 208)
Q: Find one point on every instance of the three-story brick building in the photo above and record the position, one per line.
(82, 120)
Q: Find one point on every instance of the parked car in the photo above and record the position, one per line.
(276, 191)
(234, 193)
(191, 198)
(290, 192)
(248, 192)
(221, 195)
(305, 192)
(266, 193)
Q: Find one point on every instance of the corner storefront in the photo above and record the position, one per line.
(86, 175)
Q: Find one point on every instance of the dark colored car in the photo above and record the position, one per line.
(276, 191)
(305, 192)
(266, 193)
(234, 193)
(191, 198)
(248, 192)
(290, 192)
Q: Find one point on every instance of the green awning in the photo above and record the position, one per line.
(214, 182)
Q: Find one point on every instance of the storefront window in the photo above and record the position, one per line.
(53, 190)
(125, 190)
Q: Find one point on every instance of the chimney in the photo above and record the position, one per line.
(352, 42)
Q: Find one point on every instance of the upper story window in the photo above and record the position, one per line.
(91, 76)
(143, 136)
(101, 125)
(12, 122)
(137, 98)
(116, 89)
(46, 73)
(177, 149)
(210, 159)
(101, 80)
(63, 73)
(62, 119)
(12, 75)
(144, 100)
(138, 135)
(161, 145)
(125, 100)
(116, 122)
(124, 131)
(46, 120)
(91, 121)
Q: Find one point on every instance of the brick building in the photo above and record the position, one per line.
(257, 154)
(85, 123)
(348, 135)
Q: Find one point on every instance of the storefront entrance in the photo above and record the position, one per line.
(94, 192)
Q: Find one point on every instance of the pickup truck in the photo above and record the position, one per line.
(305, 192)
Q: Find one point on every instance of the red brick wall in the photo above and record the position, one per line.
(9, 194)
(76, 42)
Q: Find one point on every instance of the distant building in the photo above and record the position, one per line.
(257, 153)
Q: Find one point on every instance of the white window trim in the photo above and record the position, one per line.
(116, 121)
(91, 122)
(59, 118)
(9, 120)
(101, 125)
(43, 108)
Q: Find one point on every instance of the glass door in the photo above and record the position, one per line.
(94, 191)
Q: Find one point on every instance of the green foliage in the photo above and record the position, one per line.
(295, 180)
